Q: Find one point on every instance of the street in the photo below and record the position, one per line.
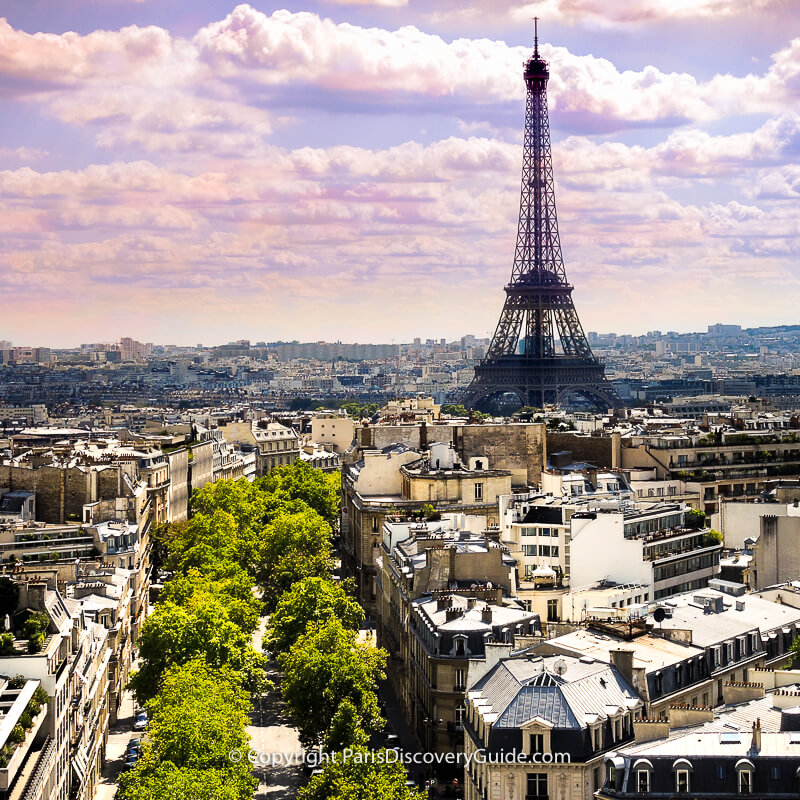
(271, 732)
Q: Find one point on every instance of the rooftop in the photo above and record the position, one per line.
(567, 692)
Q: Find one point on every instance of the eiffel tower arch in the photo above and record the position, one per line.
(539, 352)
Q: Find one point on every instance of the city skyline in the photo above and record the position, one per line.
(350, 172)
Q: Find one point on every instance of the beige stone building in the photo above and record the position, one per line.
(396, 481)
(519, 447)
(443, 594)
(333, 432)
(540, 727)
(732, 464)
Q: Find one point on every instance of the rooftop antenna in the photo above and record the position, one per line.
(536, 37)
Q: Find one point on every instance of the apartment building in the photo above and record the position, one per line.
(444, 593)
(393, 482)
(749, 747)
(542, 726)
(700, 646)
(720, 464)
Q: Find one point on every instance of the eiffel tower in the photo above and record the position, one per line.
(523, 358)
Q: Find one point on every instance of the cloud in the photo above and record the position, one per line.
(226, 88)
(23, 153)
(602, 13)
(382, 3)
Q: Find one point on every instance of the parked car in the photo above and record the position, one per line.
(140, 721)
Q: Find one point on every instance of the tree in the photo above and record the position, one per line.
(345, 731)
(325, 667)
(9, 596)
(712, 537)
(198, 717)
(214, 541)
(168, 782)
(454, 410)
(299, 481)
(295, 546)
(362, 775)
(6, 644)
(174, 635)
(310, 600)
(234, 590)
(695, 519)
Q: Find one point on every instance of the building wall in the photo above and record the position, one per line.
(739, 521)
(60, 493)
(776, 554)
(202, 464)
(595, 450)
(335, 432)
(599, 550)
(178, 484)
(518, 447)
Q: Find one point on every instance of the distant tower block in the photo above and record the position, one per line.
(523, 359)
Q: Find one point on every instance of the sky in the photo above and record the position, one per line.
(348, 170)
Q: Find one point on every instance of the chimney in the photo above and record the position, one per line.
(623, 661)
(472, 602)
(486, 615)
(452, 613)
(36, 595)
(442, 602)
(756, 745)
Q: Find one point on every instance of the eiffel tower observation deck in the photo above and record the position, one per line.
(524, 358)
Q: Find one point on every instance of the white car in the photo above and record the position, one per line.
(140, 721)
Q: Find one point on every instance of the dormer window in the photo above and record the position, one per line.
(745, 781)
(537, 743)
(682, 769)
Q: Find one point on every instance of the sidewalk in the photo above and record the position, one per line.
(119, 735)
(271, 732)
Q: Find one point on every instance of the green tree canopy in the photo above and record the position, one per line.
(295, 546)
(310, 600)
(325, 667)
(233, 590)
(174, 635)
(198, 716)
(168, 782)
(361, 777)
(298, 481)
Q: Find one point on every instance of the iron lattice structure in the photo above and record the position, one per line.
(523, 358)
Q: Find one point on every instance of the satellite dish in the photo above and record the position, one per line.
(659, 615)
(560, 667)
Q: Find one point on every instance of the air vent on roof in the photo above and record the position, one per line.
(586, 660)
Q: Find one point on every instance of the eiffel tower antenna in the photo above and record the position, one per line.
(539, 351)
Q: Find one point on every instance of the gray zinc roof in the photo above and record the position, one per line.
(519, 689)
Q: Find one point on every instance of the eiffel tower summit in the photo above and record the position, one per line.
(523, 358)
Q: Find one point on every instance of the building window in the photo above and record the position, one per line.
(682, 781)
(537, 784)
(479, 491)
(537, 743)
(745, 781)
(461, 711)
(596, 736)
(375, 525)
(552, 610)
(461, 678)
(643, 781)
